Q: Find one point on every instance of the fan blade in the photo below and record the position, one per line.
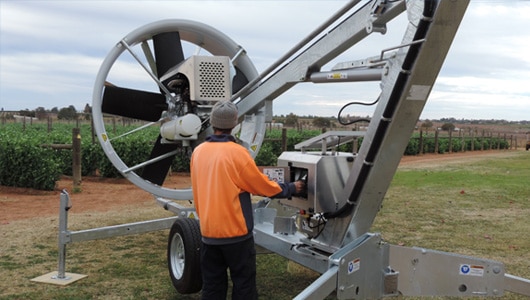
(168, 53)
(239, 81)
(135, 104)
(157, 171)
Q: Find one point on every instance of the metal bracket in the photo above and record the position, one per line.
(360, 270)
(425, 272)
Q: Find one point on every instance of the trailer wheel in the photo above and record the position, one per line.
(183, 255)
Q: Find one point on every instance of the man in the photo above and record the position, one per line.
(223, 175)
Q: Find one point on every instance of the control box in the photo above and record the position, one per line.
(324, 175)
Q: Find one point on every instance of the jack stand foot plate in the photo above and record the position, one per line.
(53, 279)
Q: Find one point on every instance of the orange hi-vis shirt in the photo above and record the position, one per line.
(223, 175)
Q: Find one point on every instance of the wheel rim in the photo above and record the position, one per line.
(177, 256)
(125, 54)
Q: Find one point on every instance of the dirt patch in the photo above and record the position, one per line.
(435, 160)
(104, 194)
(97, 195)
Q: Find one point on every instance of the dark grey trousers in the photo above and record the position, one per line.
(240, 259)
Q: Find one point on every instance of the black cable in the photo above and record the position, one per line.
(356, 120)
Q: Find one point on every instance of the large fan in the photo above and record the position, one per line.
(157, 50)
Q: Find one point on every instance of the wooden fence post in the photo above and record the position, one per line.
(420, 142)
(92, 130)
(450, 141)
(76, 158)
(436, 141)
(284, 139)
(482, 141)
(355, 144)
(463, 142)
(472, 136)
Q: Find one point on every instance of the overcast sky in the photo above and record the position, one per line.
(51, 51)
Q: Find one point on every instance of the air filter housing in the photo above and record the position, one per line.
(209, 77)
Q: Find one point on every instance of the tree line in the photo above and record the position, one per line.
(41, 113)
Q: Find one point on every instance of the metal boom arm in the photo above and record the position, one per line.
(353, 29)
(407, 79)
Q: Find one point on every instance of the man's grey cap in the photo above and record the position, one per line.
(224, 115)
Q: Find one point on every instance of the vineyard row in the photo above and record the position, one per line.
(28, 160)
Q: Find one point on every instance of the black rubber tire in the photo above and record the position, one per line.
(183, 255)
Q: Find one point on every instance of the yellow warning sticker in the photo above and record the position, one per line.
(337, 76)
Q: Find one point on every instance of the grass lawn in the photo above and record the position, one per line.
(480, 209)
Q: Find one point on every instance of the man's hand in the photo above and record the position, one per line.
(300, 186)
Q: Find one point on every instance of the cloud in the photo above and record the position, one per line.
(47, 72)
(50, 52)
